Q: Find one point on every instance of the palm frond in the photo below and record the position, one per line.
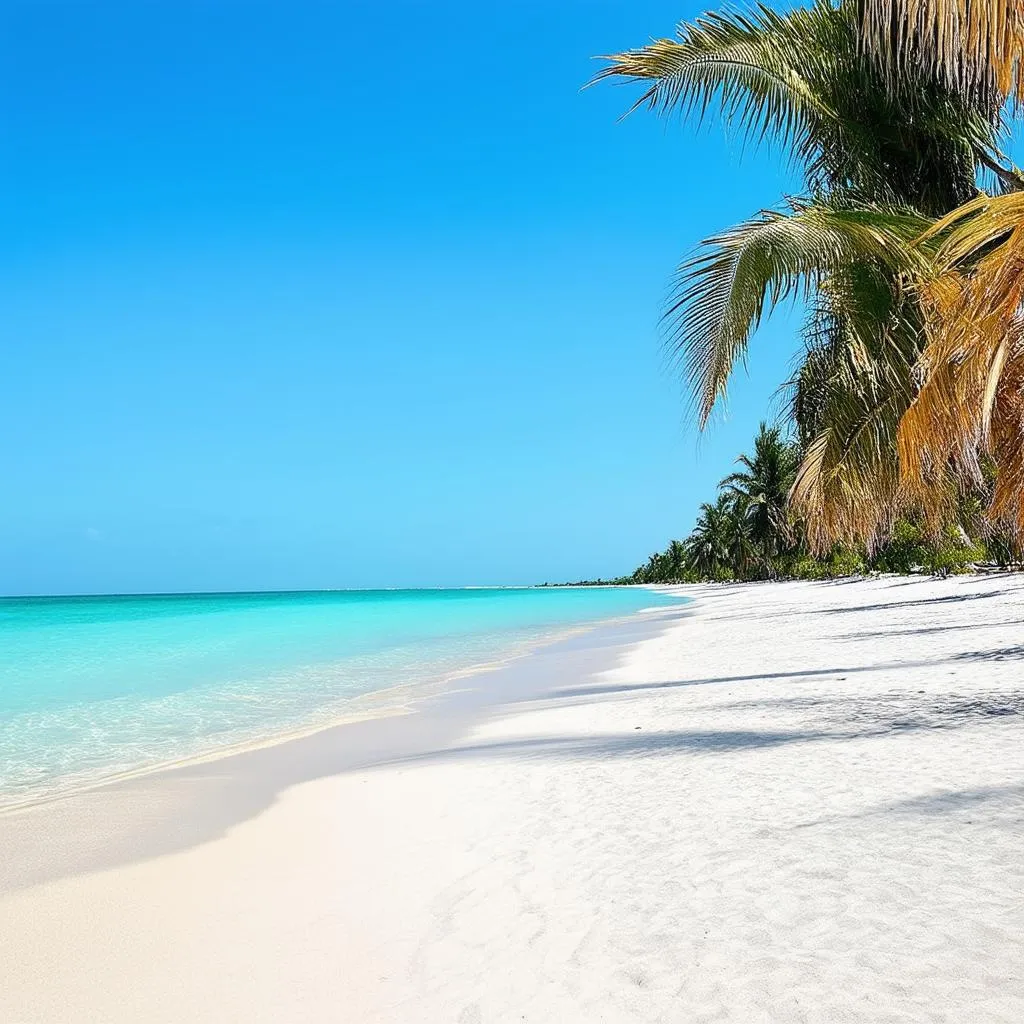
(861, 379)
(752, 66)
(801, 79)
(977, 45)
(969, 411)
(726, 288)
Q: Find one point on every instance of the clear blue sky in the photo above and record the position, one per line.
(348, 294)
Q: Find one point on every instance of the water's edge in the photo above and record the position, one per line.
(401, 698)
(176, 808)
(99, 689)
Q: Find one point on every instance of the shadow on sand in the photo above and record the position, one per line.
(841, 718)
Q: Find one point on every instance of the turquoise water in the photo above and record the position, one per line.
(93, 686)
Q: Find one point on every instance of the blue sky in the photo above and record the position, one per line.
(348, 294)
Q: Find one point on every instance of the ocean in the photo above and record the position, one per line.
(91, 687)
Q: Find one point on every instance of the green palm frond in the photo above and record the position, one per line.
(753, 66)
(800, 79)
(736, 277)
(855, 386)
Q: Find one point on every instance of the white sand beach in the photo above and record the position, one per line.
(796, 803)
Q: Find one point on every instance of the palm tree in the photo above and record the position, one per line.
(716, 541)
(884, 153)
(675, 556)
(652, 571)
(738, 534)
(763, 486)
(966, 423)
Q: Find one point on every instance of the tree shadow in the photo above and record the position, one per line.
(1008, 798)
(920, 631)
(1015, 653)
(863, 719)
(598, 690)
(918, 602)
(895, 711)
(946, 599)
(625, 745)
(958, 800)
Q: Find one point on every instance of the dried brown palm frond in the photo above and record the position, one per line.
(969, 411)
(977, 45)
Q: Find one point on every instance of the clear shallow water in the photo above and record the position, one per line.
(93, 686)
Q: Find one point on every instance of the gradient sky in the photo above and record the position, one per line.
(348, 294)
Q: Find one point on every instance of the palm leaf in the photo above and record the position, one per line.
(969, 412)
(752, 66)
(977, 45)
(860, 374)
(726, 288)
(800, 78)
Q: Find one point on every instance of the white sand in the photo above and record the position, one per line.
(820, 818)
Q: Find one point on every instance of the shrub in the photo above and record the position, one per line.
(910, 550)
(845, 562)
(952, 555)
(807, 568)
(904, 553)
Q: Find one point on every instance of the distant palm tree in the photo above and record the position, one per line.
(713, 542)
(738, 534)
(676, 558)
(652, 571)
(763, 486)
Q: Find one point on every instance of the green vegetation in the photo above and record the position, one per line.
(907, 410)
(750, 533)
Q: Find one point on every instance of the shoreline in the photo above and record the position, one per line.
(798, 802)
(394, 699)
(431, 711)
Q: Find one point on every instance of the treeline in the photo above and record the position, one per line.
(750, 533)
